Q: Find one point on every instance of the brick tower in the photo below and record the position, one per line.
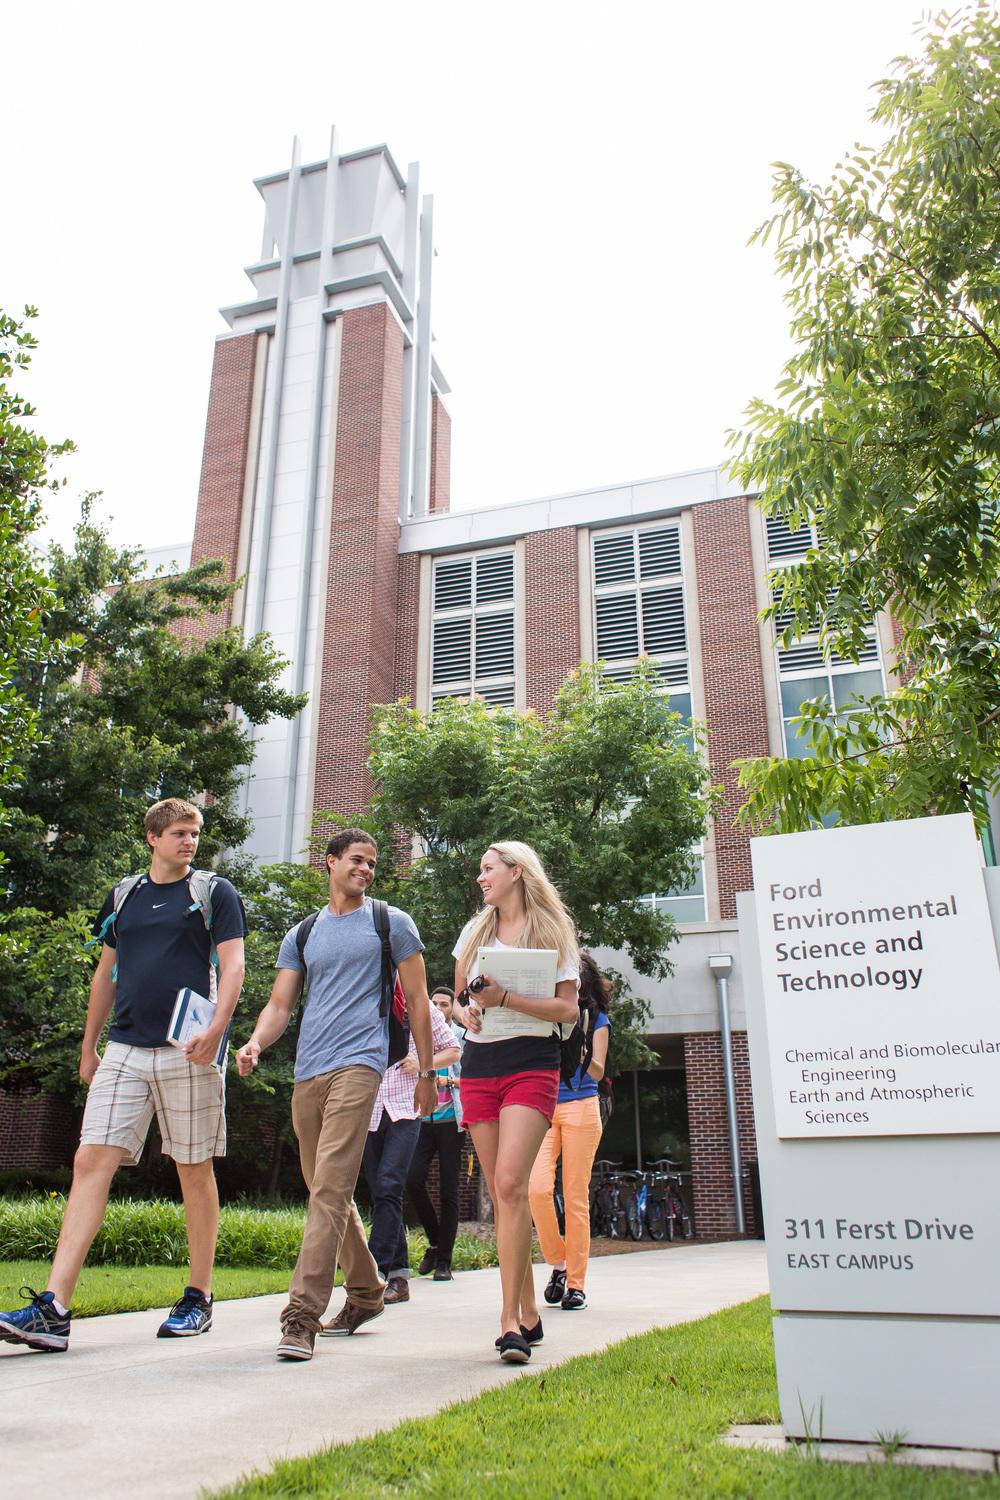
(325, 428)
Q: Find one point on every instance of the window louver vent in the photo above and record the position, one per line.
(617, 627)
(495, 578)
(663, 621)
(452, 653)
(501, 695)
(495, 646)
(659, 553)
(453, 584)
(799, 658)
(614, 559)
(782, 541)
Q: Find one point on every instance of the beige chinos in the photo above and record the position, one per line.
(330, 1114)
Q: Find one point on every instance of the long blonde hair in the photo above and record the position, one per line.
(547, 923)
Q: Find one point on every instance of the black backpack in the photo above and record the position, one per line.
(576, 1049)
(399, 1030)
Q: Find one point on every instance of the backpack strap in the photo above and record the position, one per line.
(119, 896)
(302, 932)
(380, 916)
(200, 885)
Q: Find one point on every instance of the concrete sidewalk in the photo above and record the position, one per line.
(123, 1413)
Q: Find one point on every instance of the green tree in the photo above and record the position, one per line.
(886, 435)
(24, 643)
(132, 704)
(609, 789)
(136, 707)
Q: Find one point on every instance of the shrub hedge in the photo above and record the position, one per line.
(151, 1233)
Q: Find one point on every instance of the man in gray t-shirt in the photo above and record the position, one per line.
(339, 1062)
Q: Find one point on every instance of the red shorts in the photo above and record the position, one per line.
(484, 1098)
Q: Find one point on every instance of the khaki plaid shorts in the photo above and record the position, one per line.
(133, 1083)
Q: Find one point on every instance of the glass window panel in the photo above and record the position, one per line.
(798, 745)
(848, 685)
(796, 690)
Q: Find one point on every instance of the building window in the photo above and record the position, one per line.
(639, 613)
(472, 635)
(687, 903)
(639, 602)
(805, 670)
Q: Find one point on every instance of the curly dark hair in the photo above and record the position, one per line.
(595, 991)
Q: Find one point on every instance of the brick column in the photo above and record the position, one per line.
(224, 464)
(551, 613)
(734, 681)
(440, 484)
(711, 1165)
(359, 640)
(407, 625)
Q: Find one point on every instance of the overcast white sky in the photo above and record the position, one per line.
(596, 171)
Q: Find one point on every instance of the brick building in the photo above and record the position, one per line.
(325, 482)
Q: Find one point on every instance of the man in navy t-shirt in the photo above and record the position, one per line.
(159, 942)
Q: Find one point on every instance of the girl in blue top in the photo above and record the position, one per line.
(574, 1135)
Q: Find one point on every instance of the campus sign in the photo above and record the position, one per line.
(880, 980)
(872, 991)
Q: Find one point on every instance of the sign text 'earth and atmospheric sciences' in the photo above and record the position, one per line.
(880, 980)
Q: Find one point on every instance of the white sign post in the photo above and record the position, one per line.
(873, 1008)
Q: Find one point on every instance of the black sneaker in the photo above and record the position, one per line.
(574, 1300)
(442, 1271)
(429, 1261)
(556, 1289)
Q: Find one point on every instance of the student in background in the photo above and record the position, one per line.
(393, 1132)
(440, 1136)
(574, 1135)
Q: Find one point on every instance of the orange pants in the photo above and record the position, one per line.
(574, 1135)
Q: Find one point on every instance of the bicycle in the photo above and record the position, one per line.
(667, 1177)
(607, 1210)
(644, 1210)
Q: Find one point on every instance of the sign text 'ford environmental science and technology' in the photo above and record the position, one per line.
(880, 980)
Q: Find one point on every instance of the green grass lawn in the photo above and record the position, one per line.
(640, 1420)
(111, 1289)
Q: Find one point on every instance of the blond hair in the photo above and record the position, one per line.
(547, 923)
(170, 810)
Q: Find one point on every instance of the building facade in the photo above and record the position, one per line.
(325, 484)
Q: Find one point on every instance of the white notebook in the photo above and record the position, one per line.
(526, 971)
(194, 1013)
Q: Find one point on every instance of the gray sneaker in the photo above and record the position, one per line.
(350, 1318)
(297, 1340)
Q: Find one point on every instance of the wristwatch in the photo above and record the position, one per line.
(428, 1073)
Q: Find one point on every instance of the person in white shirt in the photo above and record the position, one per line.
(510, 1085)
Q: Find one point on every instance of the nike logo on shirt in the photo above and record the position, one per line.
(158, 904)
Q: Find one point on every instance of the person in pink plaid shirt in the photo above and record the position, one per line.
(392, 1138)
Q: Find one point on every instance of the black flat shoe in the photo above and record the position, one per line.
(514, 1350)
(530, 1335)
(429, 1261)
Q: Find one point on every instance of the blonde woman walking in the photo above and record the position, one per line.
(509, 1086)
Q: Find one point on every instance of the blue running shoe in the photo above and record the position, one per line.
(191, 1314)
(38, 1325)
